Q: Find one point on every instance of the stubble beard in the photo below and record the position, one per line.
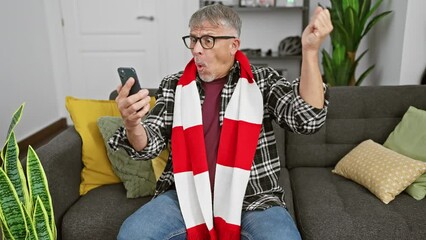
(205, 76)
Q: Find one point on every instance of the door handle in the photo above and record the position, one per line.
(148, 18)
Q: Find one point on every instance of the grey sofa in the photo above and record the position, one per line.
(324, 205)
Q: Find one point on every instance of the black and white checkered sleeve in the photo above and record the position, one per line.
(291, 111)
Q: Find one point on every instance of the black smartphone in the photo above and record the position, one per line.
(127, 72)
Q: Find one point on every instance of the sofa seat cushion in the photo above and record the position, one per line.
(329, 206)
(100, 213)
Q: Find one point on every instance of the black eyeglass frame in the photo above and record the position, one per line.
(199, 39)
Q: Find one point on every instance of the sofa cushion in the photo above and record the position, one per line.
(409, 139)
(61, 160)
(84, 113)
(100, 213)
(329, 206)
(137, 176)
(98, 170)
(382, 171)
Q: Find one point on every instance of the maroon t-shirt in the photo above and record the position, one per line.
(210, 109)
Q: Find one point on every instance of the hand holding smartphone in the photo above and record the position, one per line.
(127, 72)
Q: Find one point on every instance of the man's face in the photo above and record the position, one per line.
(214, 63)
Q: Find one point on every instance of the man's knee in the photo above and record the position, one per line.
(130, 228)
(159, 219)
(273, 223)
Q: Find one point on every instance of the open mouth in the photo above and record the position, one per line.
(200, 66)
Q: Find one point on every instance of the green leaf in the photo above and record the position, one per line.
(38, 185)
(364, 11)
(4, 229)
(14, 171)
(364, 75)
(373, 22)
(373, 9)
(327, 68)
(336, 10)
(15, 120)
(11, 208)
(351, 28)
(31, 235)
(360, 56)
(41, 221)
(341, 36)
(339, 54)
(343, 72)
(355, 64)
(354, 4)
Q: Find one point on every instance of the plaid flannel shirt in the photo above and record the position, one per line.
(282, 103)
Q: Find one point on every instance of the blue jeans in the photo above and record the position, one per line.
(161, 219)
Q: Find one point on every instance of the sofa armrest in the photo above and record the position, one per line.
(62, 163)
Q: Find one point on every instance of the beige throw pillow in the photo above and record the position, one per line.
(382, 171)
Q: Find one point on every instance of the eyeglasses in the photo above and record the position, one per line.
(207, 42)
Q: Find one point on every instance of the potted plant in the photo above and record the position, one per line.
(26, 210)
(351, 23)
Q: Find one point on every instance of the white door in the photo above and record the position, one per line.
(102, 35)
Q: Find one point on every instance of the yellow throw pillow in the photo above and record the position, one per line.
(382, 171)
(97, 168)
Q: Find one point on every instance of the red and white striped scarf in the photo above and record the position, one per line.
(237, 146)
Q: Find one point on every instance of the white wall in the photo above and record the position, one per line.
(26, 68)
(33, 66)
(58, 54)
(414, 48)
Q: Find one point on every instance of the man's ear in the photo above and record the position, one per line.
(235, 45)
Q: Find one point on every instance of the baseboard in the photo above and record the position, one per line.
(41, 137)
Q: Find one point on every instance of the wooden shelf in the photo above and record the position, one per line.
(304, 9)
(276, 57)
(290, 63)
(266, 9)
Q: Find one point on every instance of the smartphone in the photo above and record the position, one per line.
(127, 72)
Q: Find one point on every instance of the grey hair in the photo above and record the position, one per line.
(216, 14)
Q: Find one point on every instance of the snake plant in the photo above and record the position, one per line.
(26, 210)
(351, 21)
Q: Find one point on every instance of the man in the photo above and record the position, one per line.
(221, 179)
